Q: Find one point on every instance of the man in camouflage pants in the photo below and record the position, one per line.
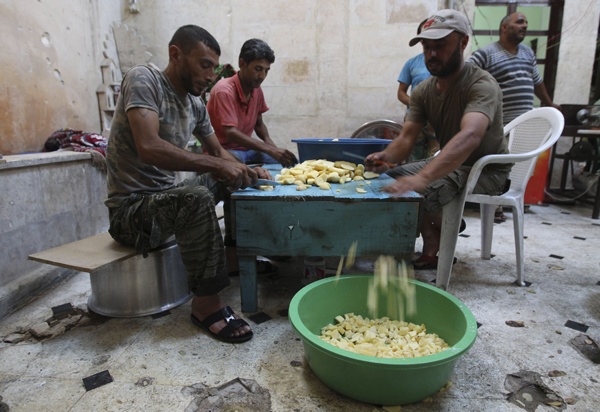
(156, 115)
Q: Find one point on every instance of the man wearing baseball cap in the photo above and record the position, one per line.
(463, 104)
(441, 24)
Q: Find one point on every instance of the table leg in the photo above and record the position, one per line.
(564, 174)
(596, 207)
(248, 286)
(551, 166)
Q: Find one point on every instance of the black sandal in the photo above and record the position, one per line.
(499, 217)
(225, 334)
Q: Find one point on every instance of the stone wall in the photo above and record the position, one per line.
(51, 54)
(337, 62)
(48, 199)
(577, 51)
(336, 67)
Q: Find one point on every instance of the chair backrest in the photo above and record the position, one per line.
(531, 134)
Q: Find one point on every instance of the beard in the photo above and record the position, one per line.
(188, 83)
(518, 37)
(443, 70)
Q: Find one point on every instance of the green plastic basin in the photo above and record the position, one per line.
(380, 381)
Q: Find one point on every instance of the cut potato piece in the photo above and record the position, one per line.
(337, 170)
(360, 190)
(333, 177)
(342, 164)
(370, 175)
(265, 188)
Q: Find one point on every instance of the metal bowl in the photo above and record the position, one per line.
(140, 286)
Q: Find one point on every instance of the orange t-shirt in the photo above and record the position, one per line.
(227, 107)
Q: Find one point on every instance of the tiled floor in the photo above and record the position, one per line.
(167, 364)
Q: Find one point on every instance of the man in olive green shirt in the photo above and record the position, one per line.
(463, 104)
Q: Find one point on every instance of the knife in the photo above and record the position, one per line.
(266, 182)
(354, 155)
(377, 162)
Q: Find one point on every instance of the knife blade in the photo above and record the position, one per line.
(266, 182)
(377, 162)
(354, 155)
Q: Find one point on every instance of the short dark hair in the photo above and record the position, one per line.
(186, 38)
(256, 49)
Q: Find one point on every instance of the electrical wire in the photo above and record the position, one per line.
(573, 26)
(564, 198)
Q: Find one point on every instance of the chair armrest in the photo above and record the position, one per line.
(491, 159)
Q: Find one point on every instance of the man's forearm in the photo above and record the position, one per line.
(236, 136)
(403, 93)
(459, 147)
(169, 157)
(542, 94)
(263, 132)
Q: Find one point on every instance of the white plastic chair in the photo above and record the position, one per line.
(529, 135)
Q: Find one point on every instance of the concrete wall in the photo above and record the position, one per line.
(51, 54)
(47, 200)
(336, 63)
(577, 50)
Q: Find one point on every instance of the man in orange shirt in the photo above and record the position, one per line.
(236, 105)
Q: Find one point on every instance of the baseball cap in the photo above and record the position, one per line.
(441, 24)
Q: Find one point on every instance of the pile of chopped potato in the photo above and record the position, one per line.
(322, 173)
(382, 338)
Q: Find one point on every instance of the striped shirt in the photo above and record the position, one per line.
(517, 75)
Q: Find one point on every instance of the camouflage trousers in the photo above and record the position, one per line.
(186, 211)
(440, 192)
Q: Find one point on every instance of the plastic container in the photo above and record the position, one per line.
(332, 149)
(374, 380)
(314, 269)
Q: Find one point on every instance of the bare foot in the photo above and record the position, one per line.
(204, 306)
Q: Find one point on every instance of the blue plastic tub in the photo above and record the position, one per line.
(332, 149)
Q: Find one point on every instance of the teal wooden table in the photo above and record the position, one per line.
(316, 222)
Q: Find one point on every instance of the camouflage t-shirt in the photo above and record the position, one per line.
(146, 87)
